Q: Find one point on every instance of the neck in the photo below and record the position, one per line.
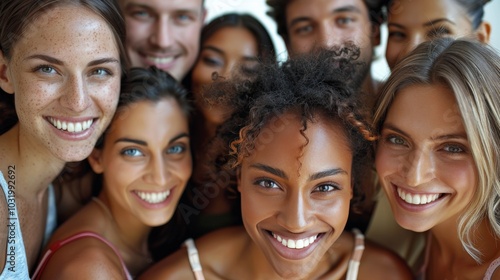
(448, 251)
(35, 167)
(131, 235)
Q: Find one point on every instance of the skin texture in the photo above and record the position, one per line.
(163, 33)
(148, 158)
(295, 191)
(430, 156)
(225, 49)
(433, 156)
(328, 23)
(333, 23)
(413, 22)
(83, 84)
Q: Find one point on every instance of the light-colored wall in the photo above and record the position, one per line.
(380, 70)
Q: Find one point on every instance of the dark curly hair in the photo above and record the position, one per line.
(278, 13)
(310, 85)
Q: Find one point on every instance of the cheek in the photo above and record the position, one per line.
(461, 176)
(107, 97)
(392, 53)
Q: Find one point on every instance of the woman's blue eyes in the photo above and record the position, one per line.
(132, 153)
(176, 149)
(396, 140)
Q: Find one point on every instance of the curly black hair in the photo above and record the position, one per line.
(310, 85)
(278, 13)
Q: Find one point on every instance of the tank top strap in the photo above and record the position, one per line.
(491, 269)
(57, 245)
(359, 247)
(194, 259)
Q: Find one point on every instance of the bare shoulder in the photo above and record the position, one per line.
(216, 251)
(174, 266)
(86, 258)
(380, 263)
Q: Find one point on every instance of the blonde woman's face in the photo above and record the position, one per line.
(424, 159)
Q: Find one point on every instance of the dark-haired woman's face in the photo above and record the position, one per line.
(225, 49)
(145, 161)
(295, 193)
(413, 22)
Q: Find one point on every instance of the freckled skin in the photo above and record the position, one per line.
(71, 89)
(75, 41)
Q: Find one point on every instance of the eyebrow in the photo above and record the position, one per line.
(432, 22)
(275, 171)
(343, 9)
(460, 136)
(280, 173)
(221, 52)
(144, 143)
(194, 10)
(56, 61)
(427, 24)
(326, 173)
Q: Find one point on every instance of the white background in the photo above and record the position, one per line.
(380, 70)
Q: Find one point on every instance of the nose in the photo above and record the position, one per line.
(413, 42)
(158, 172)
(75, 96)
(418, 167)
(295, 213)
(328, 36)
(228, 69)
(162, 35)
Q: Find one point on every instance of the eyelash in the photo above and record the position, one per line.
(40, 67)
(126, 152)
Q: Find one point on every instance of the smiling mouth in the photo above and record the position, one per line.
(160, 60)
(74, 127)
(295, 243)
(417, 199)
(153, 197)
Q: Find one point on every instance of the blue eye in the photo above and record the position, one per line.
(131, 152)
(45, 69)
(176, 149)
(454, 149)
(344, 20)
(101, 72)
(396, 140)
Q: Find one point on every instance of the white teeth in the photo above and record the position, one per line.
(295, 244)
(160, 60)
(417, 199)
(153, 197)
(75, 127)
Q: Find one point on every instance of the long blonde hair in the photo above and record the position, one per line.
(472, 71)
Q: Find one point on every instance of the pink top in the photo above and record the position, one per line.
(57, 245)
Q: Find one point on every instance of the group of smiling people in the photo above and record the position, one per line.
(289, 151)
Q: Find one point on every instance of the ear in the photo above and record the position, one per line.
(483, 32)
(95, 161)
(5, 79)
(375, 34)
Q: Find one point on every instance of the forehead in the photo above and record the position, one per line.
(425, 10)
(426, 108)
(165, 6)
(234, 39)
(67, 29)
(283, 144)
(149, 120)
(316, 9)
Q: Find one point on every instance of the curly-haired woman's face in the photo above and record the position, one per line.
(295, 192)
(424, 159)
(220, 53)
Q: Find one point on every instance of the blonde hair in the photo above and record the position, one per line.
(472, 71)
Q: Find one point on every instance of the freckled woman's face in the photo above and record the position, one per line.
(221, 52)
(65, 74)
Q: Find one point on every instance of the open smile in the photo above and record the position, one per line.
(73, 127)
